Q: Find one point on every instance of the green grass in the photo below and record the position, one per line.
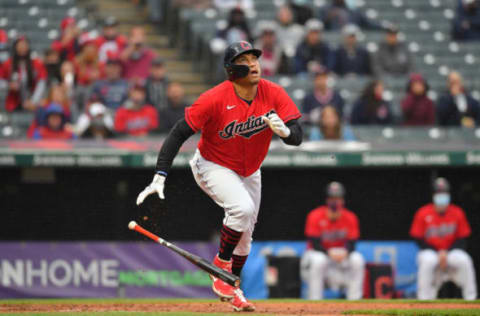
(123, 314)
(416, 312)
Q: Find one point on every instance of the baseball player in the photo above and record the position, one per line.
(331, 231)
(237, 120)
(441, 229)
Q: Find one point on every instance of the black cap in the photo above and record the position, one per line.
(335, 189)
(441, 185)
(110, 21)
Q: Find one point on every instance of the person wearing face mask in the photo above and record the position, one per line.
(137, 57)
(110, 43)
(441, 229)
(135, 117)
(331, 231)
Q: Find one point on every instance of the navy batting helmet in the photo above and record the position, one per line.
(335, 189)
(232, 52)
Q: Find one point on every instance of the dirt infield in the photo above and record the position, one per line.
(276, 307)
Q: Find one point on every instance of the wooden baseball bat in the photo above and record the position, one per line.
(203, 264)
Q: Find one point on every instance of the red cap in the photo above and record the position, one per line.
(67, 22)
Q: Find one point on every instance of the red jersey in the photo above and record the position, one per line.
(332, 233)
(233, 132)
(440, 230)
(136, 122)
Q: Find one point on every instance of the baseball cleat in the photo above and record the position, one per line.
(219, 287)
(240, 303)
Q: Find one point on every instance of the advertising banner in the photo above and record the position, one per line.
(101, 269)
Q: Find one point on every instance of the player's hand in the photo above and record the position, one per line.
(338, 254)
(277, 125)
(156, 186)
(442, 259)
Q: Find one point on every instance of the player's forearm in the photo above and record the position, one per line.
(422, 244)
(316, 243)
(175, 139)
(296, 133)
(459, 244)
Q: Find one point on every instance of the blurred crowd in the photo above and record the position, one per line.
(294, 45)
(90, 84)
(104, 84)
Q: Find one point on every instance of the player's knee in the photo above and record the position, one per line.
(459, 259)
(318, 261)
(246, 210)
(427, 260)
(356, 261)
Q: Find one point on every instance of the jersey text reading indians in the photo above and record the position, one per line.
(245, 129)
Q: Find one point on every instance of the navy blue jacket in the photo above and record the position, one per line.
(358, 64)
(449, 115)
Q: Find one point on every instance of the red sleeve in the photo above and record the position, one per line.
(199, 112)
(120, 123)
(418, 226)
(354, 229)
(285, 107)
(312, 229)
(463, 229)
(5, 69)
(57, 46)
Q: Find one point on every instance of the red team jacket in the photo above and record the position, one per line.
(136, 122)
(332, 233)
(233, 132)
(440, 230)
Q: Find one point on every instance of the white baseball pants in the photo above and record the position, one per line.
(317, 268)
(238, 196)
(430, 277)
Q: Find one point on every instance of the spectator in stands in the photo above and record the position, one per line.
(331, 231)
(392, 57)
(156, 85)
(313, 52)
(3, 46)
(289, 33)
(96, 122)
(273, 60)
(137, 57)
(322, 95)
(328, 125)
(457, 107)
(135, 117)
(110, 43)
(371, 108)
(55, 126)
(52, 65)
(441, 230)
(113, 90)
(237, 28)
(67, 72)
(351, 58)
(57, 95)
(340, 13)
(26, 77)
(88, 67)
(228, 5)
(302, 12)
(176, 106)
(466, 25)
(68, 45)
(418, 109)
